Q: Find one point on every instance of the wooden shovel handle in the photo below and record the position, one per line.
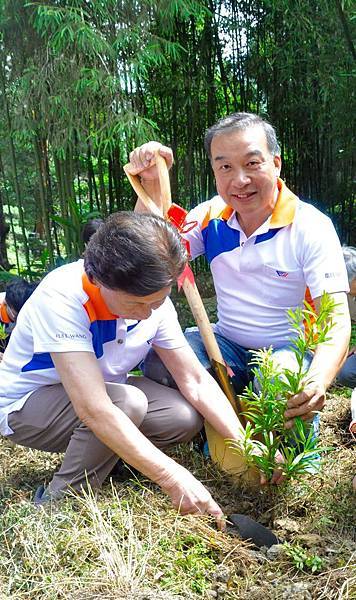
(202, 320)
(141, 192)
(220, 453)
(165, 185)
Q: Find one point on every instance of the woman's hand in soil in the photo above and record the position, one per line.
(189, 496)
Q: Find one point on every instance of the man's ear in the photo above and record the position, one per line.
(278, 164)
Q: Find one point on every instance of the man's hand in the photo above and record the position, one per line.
(189, 496)
(142, 160)
(305, 404)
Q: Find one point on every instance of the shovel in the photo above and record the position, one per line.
(228, 460)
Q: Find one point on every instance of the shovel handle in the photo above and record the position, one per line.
(220, 453)
(202, 320)
(141, 192)
(165, 185)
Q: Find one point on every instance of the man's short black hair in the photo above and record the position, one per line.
(17, 292)
(241, 121)
(139, 254)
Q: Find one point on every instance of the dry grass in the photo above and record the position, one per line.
(129, 544)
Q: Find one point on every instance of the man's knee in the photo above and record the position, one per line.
(193, 337)
(173, 422)
(131, 400)
(285, 358)
(187, 422)
(347, 374)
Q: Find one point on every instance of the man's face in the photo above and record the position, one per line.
(129, 306)
(245, 171)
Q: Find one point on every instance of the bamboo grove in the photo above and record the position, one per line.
(84, 81)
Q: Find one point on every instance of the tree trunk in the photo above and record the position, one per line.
(10, 218)
(4, 230)
(38, 146)
(15, 175)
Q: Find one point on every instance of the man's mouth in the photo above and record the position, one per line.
(245, 196)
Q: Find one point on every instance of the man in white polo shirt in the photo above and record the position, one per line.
(64, 384)
(265, 247)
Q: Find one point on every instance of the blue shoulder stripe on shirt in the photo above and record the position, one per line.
(263, 237)
(102, 332)
(218, 237)
(39, 361)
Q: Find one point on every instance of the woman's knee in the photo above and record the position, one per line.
(181, 424)
(131, 400)
(187, 422)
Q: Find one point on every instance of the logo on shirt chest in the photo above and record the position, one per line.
(282, 273)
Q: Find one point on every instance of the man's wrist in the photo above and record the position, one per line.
(316, 381)
(170, 475)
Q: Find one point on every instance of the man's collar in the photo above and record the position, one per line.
(95, 306)
(284, 209)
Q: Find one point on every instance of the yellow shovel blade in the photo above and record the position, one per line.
(229, 460)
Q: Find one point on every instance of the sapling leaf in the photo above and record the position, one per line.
(266, 401)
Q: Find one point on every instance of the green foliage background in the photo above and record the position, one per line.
(82, 82)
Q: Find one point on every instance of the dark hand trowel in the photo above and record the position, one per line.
(248, 529)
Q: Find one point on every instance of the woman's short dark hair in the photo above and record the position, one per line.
(137, 253)
(241, 121)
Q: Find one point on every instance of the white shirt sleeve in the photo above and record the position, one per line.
(59, 323)
(322, 259)
(169, 332)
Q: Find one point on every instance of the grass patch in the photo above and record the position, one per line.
(127, 543)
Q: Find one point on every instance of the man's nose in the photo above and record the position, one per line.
(240, 178)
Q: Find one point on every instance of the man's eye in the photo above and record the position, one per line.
(253, 163)
(224, 167)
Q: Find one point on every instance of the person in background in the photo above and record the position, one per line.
(11, 301)
(347, 373)
(89, 228)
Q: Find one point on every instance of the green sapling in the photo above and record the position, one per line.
(266, 400)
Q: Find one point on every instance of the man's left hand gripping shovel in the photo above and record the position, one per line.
(228, 460)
